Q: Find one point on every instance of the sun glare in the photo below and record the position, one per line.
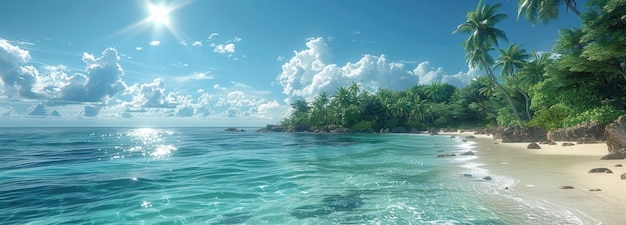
(159, 15)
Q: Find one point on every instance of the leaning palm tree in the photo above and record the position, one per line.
(483, 35)
(510, 60)
(544, 10)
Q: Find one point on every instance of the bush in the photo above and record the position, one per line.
(604, 115)
(552, 118)
(363, 126)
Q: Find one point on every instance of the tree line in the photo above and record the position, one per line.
(583, 79)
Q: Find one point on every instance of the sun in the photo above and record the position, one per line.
(159, 15)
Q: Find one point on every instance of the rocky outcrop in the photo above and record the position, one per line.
(623, 176)
(566, 187)
(533, 146)
(272, 128)
(517, 135)
(615, 134)
(620, 154)
(600, 170)
(232, 129)
(589, 130)
(398, 130)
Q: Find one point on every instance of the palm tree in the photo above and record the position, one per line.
(480, 25)
(544, 10)
(534, 71)
(319, 110)
(436, 91)
(510, 60)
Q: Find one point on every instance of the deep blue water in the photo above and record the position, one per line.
(208, 176)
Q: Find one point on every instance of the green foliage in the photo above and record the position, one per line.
(603, 114)
(551, 118)
(363, 126)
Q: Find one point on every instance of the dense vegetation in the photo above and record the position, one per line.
(583, 79)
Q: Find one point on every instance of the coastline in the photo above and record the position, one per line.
(540, 173)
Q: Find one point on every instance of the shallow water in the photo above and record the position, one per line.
(208, 176)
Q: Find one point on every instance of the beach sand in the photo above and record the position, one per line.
(541, 172)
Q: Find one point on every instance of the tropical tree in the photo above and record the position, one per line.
(534, 71)
(544, 10)
(480, 25)
(510, 60)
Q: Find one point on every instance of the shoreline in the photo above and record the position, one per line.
(540, 173)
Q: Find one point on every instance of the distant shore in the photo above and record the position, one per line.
(541, 173)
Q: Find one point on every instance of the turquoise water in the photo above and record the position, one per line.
(208, 176)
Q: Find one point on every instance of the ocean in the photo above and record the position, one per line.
(209, 176)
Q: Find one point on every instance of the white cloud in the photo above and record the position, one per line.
(183, 43)
(155, 43)
(197, 44)
(18, 80)
(308, 73)
(223, 49)
(213, 35)
(236, 39)
(280, 58)
(138, 48)
(152, 95)
(218, 87)
(429, 74)
(195, 76)
(103, 79)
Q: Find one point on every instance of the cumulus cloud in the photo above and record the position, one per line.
(138, 48)
(155, 43)
(18, 80)
(308, 73)
(91, 111)
(429, 74)
(103, 79)
(224, 48)
(197, 44)
(152, 95)
(38, 110)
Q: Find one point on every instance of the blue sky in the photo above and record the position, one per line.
(222, 63)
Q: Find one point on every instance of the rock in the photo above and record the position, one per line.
(547, 142)
(487, 178)
(600, 170)
(623, 176)
(275, 128)
(595, 189)
(398, 130)
(593, 130)
(566, 187)
(232, 129)
(621, 154)
(518, 135)
(615, 134)
(586, 140)
(453, 136)
(446, 155)
(467, 153)
(470, 137)
(533, 146)
(619, 165)
(467, 175)
(384, 131)
(567, 144)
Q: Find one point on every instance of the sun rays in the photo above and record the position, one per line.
(160, 17)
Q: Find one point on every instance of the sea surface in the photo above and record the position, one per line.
(209, 176)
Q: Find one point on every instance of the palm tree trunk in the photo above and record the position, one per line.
(504, 91)
(525, 97)
(574, 9)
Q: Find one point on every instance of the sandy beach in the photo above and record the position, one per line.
(541, 172)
